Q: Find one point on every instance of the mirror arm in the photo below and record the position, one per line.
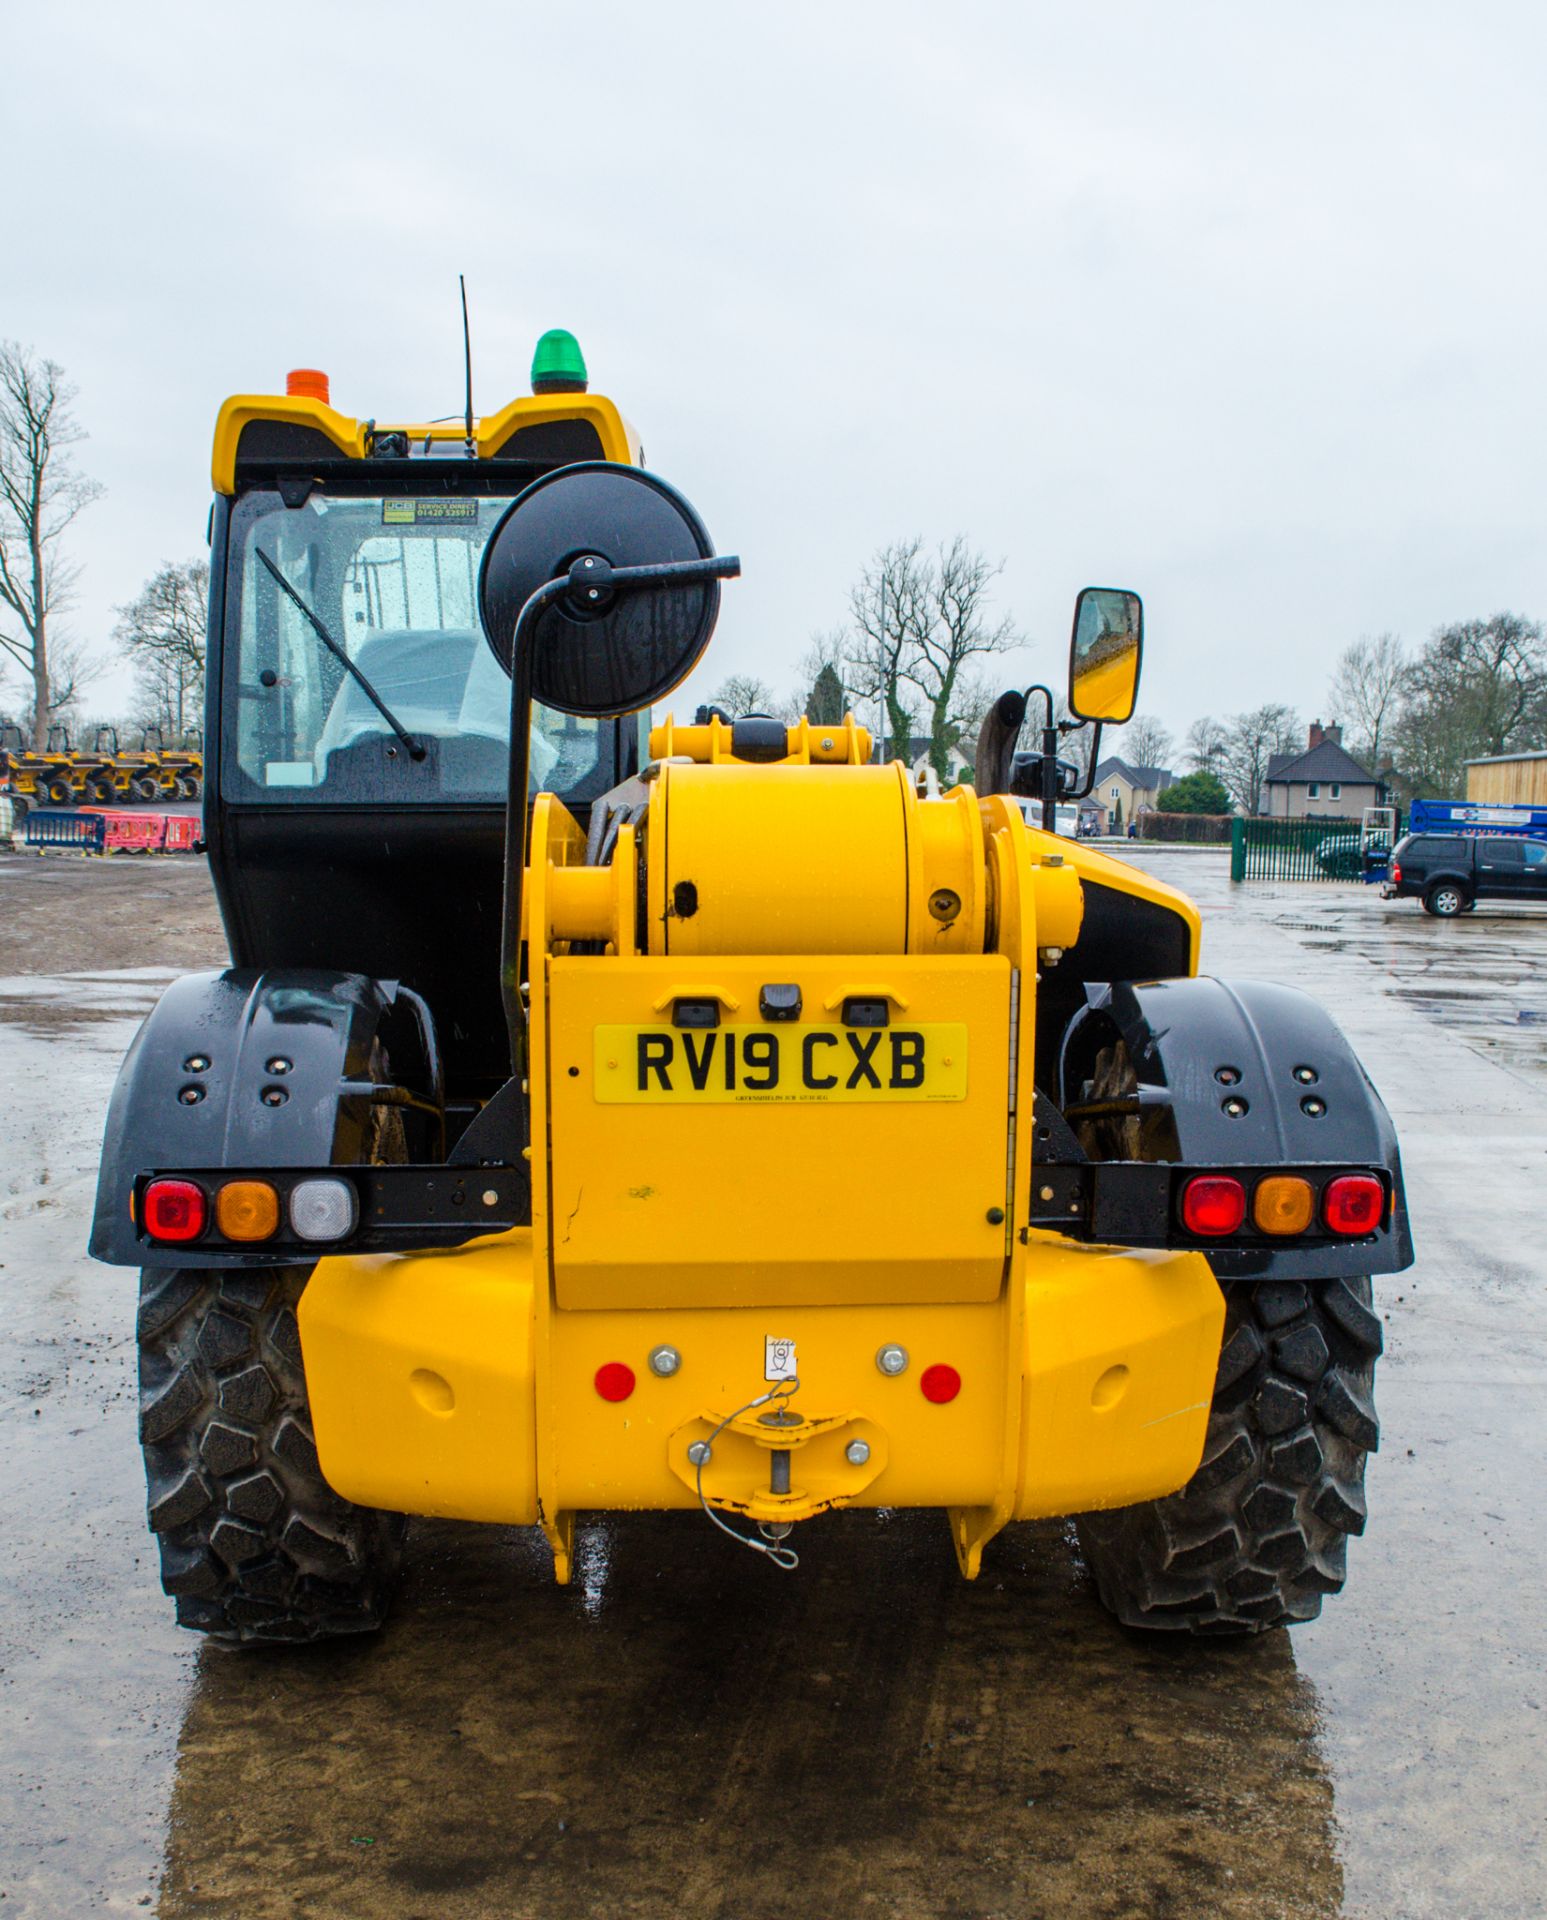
(1089, 787)
(589, 576)
(1049, 760)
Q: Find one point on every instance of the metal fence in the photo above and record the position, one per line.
(1295, 850)
(81, 832)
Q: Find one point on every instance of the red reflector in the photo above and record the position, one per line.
(614, 1381)
(174, 1210)
(1396, 873)
(1354, 1203)
(1213, 1203)
(940, 1384)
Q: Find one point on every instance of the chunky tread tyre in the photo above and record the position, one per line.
(1260, 1533)
(255, 1545)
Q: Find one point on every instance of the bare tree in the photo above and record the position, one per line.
(1252, 740)
(743, 693)
(1478, 688)
(889, 607)
(163, 631)
(959, 628)
(1207, 740)
(40, 494)
(1143, 743)
(918, 621)
(1365, 690)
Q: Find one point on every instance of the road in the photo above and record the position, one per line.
(688, 1732)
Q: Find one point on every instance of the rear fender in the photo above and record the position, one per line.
(253, 1070)
(1182, 1034)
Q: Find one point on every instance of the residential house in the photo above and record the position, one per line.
(958, 760)
(1127, 791)
(1321, 781)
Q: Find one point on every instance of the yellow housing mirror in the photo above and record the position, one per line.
(1105, 653)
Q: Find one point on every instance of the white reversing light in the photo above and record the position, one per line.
(322, 1209)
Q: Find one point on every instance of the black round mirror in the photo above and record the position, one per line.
(633, 645)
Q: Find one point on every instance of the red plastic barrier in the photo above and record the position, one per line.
(146, 832)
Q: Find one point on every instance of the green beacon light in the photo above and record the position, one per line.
(558, 365)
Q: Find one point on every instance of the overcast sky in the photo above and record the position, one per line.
(1238, 306)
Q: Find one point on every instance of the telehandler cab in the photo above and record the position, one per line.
(603, 1117)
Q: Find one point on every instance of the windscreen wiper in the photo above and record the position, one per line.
(415, 749)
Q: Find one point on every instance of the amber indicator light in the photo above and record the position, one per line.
(247, 1210)
(1283, 1203)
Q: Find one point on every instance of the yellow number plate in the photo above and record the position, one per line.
(781, 1065)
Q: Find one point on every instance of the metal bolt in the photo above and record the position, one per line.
(857, 1452)
(995, 1216)
(945, 903)
(827, 744)
(279, 1064)
(892, 1360)
(1228, 1076)
(1044, 1193)
(1305, 1075)
(1313, 1107)
(490, 1197)
(1235, 1106)
(191, 1096)
(700, 1453)
(665, 1361)
(196, 1063)
(274, 1096)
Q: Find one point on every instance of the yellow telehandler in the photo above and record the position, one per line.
(606, 1116)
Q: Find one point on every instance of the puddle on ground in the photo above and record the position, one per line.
(688, 1731)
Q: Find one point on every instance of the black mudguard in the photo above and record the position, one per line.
(1182, 1035)
(247, 1069)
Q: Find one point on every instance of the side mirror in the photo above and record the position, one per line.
(1105, 653)
(598, 594)
(634, 588)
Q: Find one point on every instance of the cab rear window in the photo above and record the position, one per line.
(394, 584)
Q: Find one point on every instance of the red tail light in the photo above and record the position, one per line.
(175, 1210)
(1396, 872)
(1212, 1204)
(1354, 1204)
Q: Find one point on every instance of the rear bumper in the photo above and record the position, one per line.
(438, 1387)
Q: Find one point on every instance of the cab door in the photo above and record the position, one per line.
(1500, 868)
(1534, 853)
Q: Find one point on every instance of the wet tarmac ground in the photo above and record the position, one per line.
(686, 1731)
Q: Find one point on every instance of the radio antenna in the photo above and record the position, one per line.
(467, 358)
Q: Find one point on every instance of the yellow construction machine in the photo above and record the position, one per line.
(605, 1116)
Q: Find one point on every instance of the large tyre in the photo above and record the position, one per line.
(1260, 1533)
(254, 1543)
(1446, 898)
